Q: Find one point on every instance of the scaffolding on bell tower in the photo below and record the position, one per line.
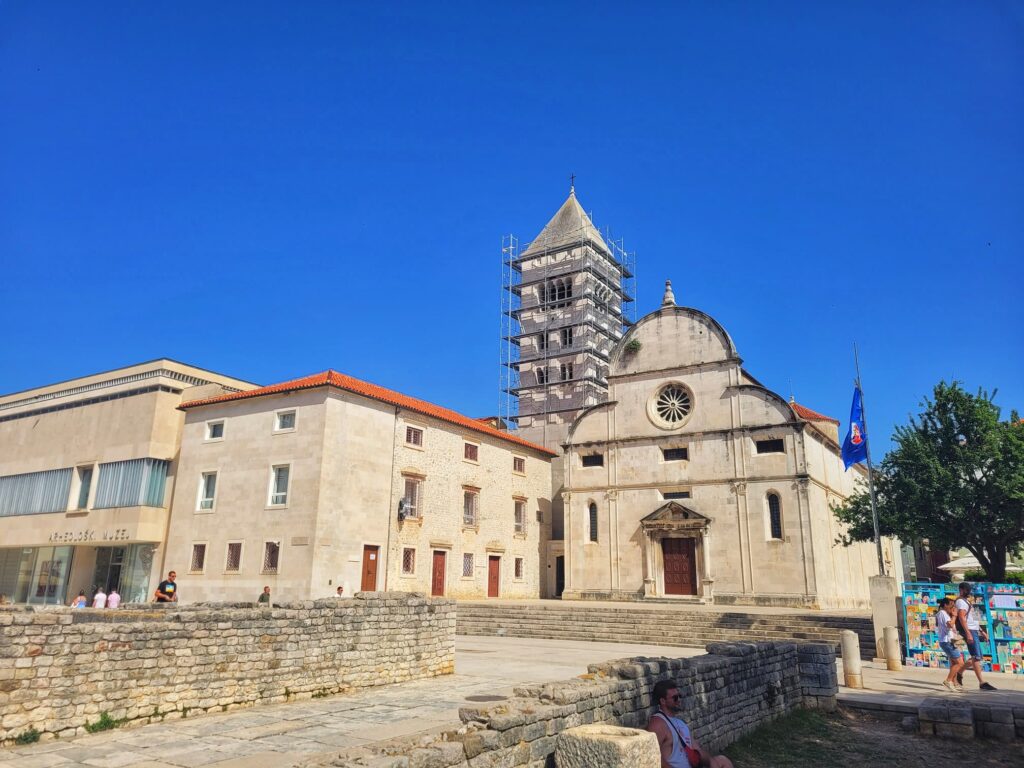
(566, 299)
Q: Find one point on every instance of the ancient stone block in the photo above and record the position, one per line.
(607, 746)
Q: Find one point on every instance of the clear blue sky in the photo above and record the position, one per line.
(272, 189)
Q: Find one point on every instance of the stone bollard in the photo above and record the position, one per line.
(851, 659)
(609, 746)
(891, 645)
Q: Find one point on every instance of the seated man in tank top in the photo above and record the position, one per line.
(678, 747)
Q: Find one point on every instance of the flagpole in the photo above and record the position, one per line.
(867, 453)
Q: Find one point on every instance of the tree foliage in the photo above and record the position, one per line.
(955, 477)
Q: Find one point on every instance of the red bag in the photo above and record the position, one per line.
(693, 755)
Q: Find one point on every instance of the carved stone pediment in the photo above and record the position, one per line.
(674, 517)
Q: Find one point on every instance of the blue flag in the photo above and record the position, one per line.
(855, 446)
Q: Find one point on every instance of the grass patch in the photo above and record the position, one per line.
(105, 723)
(31, 736)
(807, 738)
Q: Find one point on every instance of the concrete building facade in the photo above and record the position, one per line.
(695, 482)
(330, 481)
(87, 472)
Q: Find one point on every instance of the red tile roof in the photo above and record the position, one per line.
(808, 415)
(332, 378)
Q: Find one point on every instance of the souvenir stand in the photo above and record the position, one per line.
(1000, 609)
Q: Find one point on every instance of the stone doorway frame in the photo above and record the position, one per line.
(674, 521)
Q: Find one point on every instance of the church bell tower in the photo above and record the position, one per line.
(565, 303)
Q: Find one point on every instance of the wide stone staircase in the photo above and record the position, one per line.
(683, 626)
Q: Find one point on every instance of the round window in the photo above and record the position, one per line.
(671, 406)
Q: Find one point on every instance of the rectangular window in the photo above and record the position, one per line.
(675, 494)
(131, 483)
(84, 485)
(233, 561)
(519, 465)
(567, 337)
(470, 500)
(520, 516)
(215, 430)
(771, 446)
(198, 558)
(542, 342)
(284, 420)
(593, 460)
(675, 454)
(519, 568)
(467, 565)
(271, 555)
(414, 436)
(566, 370)
(35, 493)
(408, 560)
(471, 452)
(207, 489)
(413, 494)
(279, 485)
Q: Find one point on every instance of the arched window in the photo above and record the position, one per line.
(775, 515)
(593, 521)
(542, 293)
(542, 375)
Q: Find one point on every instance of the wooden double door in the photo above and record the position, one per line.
(680, 558)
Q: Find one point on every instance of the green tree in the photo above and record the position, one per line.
(955, 477)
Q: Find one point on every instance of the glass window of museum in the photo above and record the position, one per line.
(42, 575)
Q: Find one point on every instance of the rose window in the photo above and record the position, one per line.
(673, 404)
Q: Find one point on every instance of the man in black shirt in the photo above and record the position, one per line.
(167, 590)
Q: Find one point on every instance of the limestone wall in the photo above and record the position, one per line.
(60, 669)
(729, 692)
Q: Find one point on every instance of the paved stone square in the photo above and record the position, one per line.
(279, 735)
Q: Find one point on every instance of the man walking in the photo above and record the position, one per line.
(970, 630)
(678, 747)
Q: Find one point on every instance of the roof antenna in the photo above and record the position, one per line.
(572, 183)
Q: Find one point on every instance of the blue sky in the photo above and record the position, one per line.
(271, 189)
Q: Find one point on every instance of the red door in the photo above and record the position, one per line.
(493, 575)
(680, 566)
(437, 574)
(369, 581)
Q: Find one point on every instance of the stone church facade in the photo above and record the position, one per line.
(693, 481)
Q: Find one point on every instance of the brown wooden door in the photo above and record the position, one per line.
(437, 574)
(680, 566)
(493, 575)
(370, 557)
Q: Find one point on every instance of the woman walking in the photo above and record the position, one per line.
(944, 624)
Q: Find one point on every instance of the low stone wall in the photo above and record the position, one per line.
(729, 692)
(61, 668)
(963, 719)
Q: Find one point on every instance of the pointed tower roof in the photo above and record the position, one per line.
(568, 227)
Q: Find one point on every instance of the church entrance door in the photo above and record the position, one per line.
(680, 566)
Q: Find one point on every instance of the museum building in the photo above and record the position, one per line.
(87, 471)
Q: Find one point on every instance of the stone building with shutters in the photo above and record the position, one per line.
(330, 481)
(696, 482)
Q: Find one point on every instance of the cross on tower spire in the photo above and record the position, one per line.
(572, 183)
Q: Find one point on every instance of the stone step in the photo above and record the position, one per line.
(679, 627)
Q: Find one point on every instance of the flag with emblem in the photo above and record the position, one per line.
(855, 446)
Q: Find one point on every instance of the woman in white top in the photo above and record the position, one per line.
(944, 625)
